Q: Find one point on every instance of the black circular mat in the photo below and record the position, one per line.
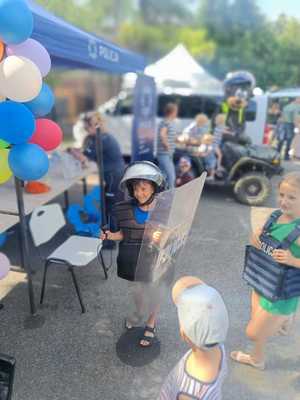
(131, 353)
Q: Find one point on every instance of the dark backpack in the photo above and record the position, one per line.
(267, 277)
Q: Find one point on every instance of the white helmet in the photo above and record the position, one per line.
(144, 170)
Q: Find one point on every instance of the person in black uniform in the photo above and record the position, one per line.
(143, 180)
(113, 161)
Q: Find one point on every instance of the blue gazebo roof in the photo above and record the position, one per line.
(72, 47)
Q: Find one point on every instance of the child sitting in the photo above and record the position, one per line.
(184, 173)
(210, 154)
(196, 129)
(220, 130)
(203, 323)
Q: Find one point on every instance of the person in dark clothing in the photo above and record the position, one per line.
(113, 162)
(274, 113)
(289, 113)
(184, 172)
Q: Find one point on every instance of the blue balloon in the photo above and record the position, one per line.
(3, 237)
(17, 123)
(28, 162)
(16, 21)
(43, 103)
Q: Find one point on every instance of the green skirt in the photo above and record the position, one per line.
(280, 307)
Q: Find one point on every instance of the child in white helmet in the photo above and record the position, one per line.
(142, 180)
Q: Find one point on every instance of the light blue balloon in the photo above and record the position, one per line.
(43, 103)
(16, 21)
(28, 162)
(17, 123)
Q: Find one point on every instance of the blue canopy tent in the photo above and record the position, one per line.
(72, 47)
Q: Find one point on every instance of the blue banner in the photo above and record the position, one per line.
(144, 119)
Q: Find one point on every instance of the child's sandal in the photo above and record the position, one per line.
(148, 339)
(127, 325)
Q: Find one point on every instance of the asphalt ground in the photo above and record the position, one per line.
(75, 356)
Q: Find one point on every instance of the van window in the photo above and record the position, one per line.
(250, 112)
(124, 106)
(189, 106)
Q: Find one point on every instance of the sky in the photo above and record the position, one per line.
(273, 8)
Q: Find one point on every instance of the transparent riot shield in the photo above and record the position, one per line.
(167, 230)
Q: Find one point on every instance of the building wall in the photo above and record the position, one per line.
(80, 91)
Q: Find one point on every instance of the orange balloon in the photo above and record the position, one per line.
(2, 49)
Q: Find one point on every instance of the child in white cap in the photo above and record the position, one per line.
(203, 321)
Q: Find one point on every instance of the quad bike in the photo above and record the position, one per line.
(246, 168)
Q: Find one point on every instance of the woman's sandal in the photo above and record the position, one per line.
(148, 339)
(244, 358)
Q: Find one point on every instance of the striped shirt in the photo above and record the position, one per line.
(180, 385)
(218, 135)
(171, 127)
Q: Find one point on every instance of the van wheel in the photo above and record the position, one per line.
(253, 189)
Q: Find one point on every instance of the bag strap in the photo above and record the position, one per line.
(294, 235)
(272, 218)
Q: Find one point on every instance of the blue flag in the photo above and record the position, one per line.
(144, 116)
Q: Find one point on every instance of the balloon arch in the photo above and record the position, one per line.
(25, 135)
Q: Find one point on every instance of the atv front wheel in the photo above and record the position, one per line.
(253, 189)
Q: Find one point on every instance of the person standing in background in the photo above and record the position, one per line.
(166, 143)
(274, 113)
(289, 113)
(113, 162)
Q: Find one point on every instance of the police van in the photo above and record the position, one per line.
(118, 114)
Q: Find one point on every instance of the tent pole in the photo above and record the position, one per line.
(99, 152)
(24, 246)
(103, 223)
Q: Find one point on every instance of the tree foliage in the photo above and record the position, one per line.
(245, 39)
(222, 34)
(155, 12)
(98, 16)
(155, 42)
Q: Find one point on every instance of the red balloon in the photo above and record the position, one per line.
(47, 135)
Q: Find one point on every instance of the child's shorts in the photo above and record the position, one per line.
(210, 161)
(280, 307)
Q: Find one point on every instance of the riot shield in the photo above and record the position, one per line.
(167, 230)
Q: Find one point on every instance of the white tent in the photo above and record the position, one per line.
(179, 71)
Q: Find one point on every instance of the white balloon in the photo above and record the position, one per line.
(20, 79)
(4, 265)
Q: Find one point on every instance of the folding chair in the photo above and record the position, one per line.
(75, 252)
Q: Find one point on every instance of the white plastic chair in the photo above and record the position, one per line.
(76, 251)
